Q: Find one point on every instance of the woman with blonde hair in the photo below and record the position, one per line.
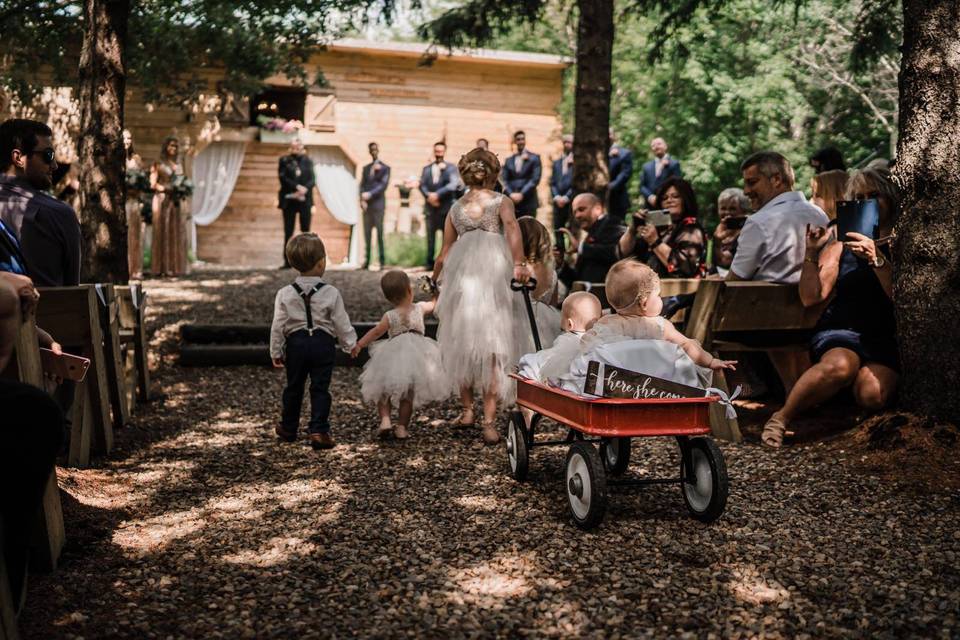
(482, 251)
(828, 188)
(538, 250)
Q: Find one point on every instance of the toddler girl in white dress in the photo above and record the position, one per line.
(406, 368)
(538, 251)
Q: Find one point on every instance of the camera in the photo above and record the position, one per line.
(659, 218)
(734, 222)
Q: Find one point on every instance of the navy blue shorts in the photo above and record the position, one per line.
(880, 350)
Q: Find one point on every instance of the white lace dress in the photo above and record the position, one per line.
(475, 307)
(406, 361)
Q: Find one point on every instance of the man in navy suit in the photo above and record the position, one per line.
(656, 171)
(373, 186)
(561, 184)
(620, 162)
(521, 175)
(439, 182)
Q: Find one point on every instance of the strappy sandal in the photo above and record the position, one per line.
(773, 432)
(459, 422)
(384, 431)
(400, 432)
(490, 434)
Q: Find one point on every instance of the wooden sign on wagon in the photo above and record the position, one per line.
(607, 381)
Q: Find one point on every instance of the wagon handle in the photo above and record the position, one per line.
(526, 288)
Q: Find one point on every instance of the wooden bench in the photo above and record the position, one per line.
(110, 328)
(72, 316)
(750, 316)
(25, 367)
(132, 300)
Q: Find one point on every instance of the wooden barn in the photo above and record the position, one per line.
(375, 91)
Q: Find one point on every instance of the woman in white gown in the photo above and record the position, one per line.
(481, 252)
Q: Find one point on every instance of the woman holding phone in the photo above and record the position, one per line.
(674, 249)
(855, 340)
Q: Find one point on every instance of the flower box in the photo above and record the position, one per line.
(277, 137)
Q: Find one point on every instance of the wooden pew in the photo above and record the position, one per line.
(110, 327)
(25, 366)
(668, 287)
(72, 316)
(748, 316)
(132, 301)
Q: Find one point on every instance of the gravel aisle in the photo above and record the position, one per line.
(202, 526)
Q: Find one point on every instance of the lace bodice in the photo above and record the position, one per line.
(489, 219)
(400, 323)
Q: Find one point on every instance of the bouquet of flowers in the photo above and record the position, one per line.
(180, 187)
(138, 180)
(279, 124)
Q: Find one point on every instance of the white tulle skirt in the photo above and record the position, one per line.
(548, 325)
(406, 363)
(475, 310)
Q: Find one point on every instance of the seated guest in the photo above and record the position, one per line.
(828, 159)
(29, 441)
(47, 229)
(771, 244)
(678, 250)
(855, 340)
(598, 251)
(733, 208)
(827, 188)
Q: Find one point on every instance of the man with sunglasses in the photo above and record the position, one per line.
(48, 229)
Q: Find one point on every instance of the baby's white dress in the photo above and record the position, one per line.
(406, 361)
(475, 307)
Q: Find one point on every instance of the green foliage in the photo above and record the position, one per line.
(405, 249)
(169, 40)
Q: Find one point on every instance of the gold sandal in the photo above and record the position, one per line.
(773, 432)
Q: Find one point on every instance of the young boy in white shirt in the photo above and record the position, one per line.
(308, 320)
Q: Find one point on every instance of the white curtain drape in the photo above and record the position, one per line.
(215, 171)
(338, 188)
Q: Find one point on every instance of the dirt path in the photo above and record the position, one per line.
(201, 525)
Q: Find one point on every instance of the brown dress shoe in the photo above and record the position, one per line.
(284, 435)
(321, 441)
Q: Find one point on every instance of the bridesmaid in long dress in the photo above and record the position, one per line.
(169, 255)
(134, 210)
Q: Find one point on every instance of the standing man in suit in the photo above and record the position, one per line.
(620, 162)
(656, 171)
(373, 186)
(561, 184)
(520, 177)
(297, 181)
(439, 182)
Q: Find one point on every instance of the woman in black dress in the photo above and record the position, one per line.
(855, 340)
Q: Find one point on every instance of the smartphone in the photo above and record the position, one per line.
(734, 222)
(659, 218)
(858, 216)
(65, 366)
(560, 240)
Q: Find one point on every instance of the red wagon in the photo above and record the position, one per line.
(612, 422)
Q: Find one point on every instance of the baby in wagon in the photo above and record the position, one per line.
(579, 312)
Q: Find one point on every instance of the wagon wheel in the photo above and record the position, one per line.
(615, 453)
(704, 484)
(586, 485)
(517, 455)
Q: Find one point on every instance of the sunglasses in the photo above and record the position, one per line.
(46, 155)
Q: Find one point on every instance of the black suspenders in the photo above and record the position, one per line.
(306, 295)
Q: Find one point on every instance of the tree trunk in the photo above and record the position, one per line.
(927, 248)
(591, 114)
(102, 76)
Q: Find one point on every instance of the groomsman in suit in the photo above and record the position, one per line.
(439, 182)
(297, 181)
(561, 184)
(656, 171)
(620, 162)
(373, 187)
(521, 175)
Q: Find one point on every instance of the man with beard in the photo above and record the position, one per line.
(48, 230)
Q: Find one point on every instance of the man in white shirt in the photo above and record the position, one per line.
(771, 245)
